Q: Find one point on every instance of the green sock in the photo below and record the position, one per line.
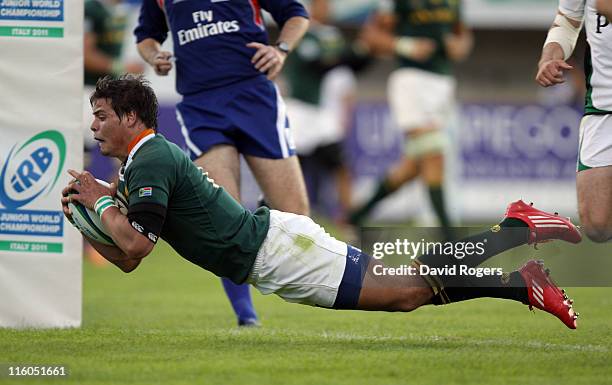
(436, 196)
(358, 216)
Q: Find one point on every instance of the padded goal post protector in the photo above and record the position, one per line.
(40, 122)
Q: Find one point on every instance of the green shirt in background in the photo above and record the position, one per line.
(427, 18)
(108, 22)
(204, 224)
(321, 48)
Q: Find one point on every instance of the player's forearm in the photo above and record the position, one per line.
(551, 51)
(561, 38)
(377, 35)
(147, 49)
(133, 244)
(459, 45)
(293, 30)
(115, 256)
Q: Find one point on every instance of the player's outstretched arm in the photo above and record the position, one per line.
(377, 35)
(115, 256)
(551, 66)
(459, 44)
(132, 243)
(558, 47)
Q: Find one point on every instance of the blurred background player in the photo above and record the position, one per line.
(230, 106)
(426, 37)
(594, 178)
(321, 85)
(103, 38)
(104, 34)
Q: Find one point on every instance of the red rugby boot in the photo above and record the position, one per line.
(545, 295)
(543, 226)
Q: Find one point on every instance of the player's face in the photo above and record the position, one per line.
(108, 130)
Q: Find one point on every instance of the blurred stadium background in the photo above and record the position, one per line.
(510, 138)
(169, 322)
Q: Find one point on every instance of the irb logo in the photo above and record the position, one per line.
(32, 169)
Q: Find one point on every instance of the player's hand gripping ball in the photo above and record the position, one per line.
(88, 222)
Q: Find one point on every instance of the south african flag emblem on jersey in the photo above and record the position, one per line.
(145, 192)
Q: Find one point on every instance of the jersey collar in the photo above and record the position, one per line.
(134, 145)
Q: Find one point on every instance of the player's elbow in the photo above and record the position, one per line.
(138, 248)
(597, 225)
(298, 22)
(598, 233)
(129, 265)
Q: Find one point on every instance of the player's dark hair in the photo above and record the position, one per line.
(128, 93)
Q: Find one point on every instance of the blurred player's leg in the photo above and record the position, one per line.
(281, 182)
(421, 104)
(402, 172)
(432, 173)
(594, 188)
(222, 162)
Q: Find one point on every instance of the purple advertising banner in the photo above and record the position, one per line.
(496, 141)
(493, 141)
(518, 141)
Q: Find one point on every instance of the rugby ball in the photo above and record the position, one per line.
(89, 223)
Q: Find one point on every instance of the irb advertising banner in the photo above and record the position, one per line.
(40, 122)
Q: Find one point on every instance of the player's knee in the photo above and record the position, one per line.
(596, 224)
(305, 208)
(598, 231)
(597, 227)
(301, 207)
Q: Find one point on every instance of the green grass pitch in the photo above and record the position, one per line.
(170, 323)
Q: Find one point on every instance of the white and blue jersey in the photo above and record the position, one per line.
(226, 100)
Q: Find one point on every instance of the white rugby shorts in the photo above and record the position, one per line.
(420, 99)
(595, 148)
(299, 261)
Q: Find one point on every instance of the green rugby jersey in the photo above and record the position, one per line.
(204, 224)
(321, 48)
(108, 23)
(427, 18)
